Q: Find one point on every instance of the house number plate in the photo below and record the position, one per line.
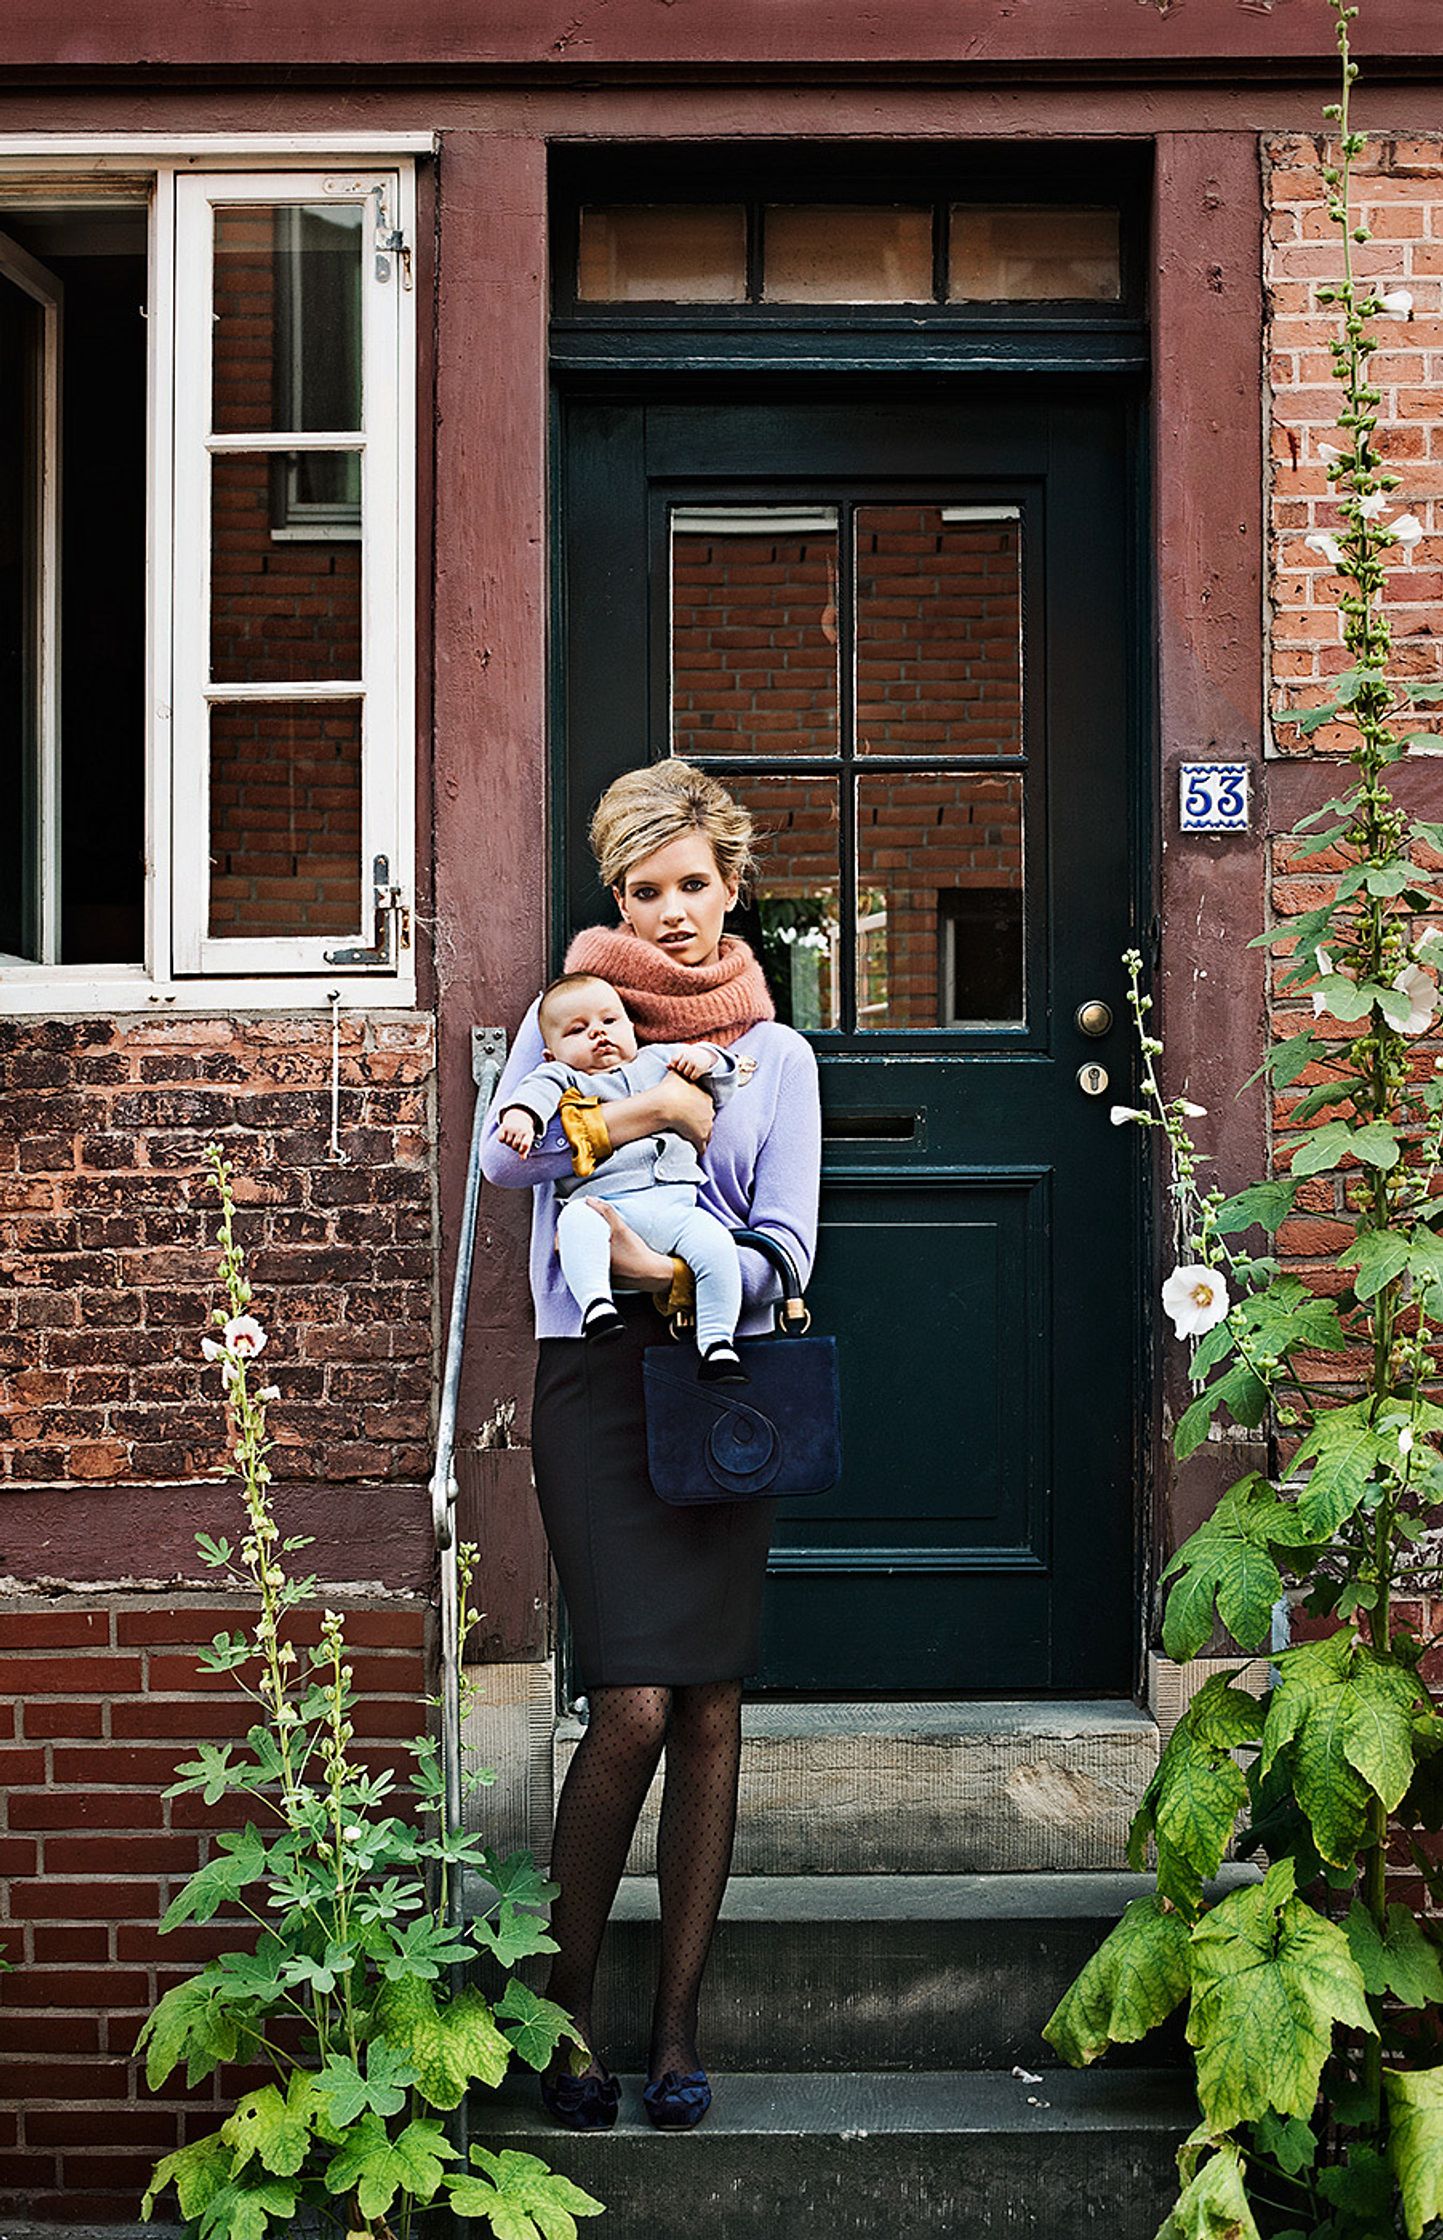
(1213, 797)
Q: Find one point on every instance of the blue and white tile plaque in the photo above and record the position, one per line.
(1213, 797)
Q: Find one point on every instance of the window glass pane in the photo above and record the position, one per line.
(662, 253)
(285, 817)
(826, 253)
(939, 900)
(287, 325)
(939, 630)
(793, 917)
(284, 607)
(21, 362)
(754, 630)
(1019, 255)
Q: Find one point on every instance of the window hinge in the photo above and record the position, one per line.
(392, 924)
(390, 242)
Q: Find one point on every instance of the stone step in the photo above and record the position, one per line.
(928, 1788)
(874, 1972)
(932, 2156)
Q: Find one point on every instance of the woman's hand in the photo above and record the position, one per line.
(675, 1104)
(633, 1262)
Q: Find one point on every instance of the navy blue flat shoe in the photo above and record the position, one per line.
(675, 2103)
(582, 2103)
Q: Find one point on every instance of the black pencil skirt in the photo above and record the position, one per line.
(656, 1596)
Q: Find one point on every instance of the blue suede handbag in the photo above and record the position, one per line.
(780, 1433)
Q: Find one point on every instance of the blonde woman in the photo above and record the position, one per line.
(664, 1602)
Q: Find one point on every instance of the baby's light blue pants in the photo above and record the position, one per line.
(669, 1219)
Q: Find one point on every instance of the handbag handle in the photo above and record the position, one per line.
(793, 1319)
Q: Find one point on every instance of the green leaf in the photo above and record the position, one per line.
(1215, 2205)
(514, 1934)
(1265, 1206)
(198, 2172)
(1288, 2141)
(1192, 1802)
(1228, 1561)
(1132, 1982)
(241, 1860)
(1376, 1143)
(1361, 2185)
(242, 2212)
(1415, 2143)
(1271, 1978)
(379, 2167)
(382, 2088)
(189, 2022)
(1345, 1715)
(520, 2198)
(448, 2046)
(275, 2128)
(1324, 1148)
(539, 2025)
(1343, 1449)
(1401, 1960)
(1379, 1255)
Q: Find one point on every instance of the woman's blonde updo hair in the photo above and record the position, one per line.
(646, 809)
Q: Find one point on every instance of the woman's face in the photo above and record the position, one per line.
(677, 899)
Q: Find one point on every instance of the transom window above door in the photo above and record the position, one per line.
(855, 670)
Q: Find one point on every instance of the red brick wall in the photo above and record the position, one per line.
(100, 1700)
(1399, 196)
(107, 1255)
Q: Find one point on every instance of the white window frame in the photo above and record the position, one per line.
(177, 975)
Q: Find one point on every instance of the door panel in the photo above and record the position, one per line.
(900, 631)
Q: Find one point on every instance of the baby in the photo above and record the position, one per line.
(653, 1183)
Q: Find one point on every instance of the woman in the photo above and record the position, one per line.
(664, 1602)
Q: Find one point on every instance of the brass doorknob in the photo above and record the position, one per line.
(1094, 1018)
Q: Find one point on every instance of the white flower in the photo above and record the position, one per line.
(211, 1348)
(1421, 989)
(1405, 1441)
(1371, 507)
(1430, 938)
(1407, 530)
(269, 1392)
(1122, 1113)
(1191, 1111)
(1396, 304)
(1328, 546)
(352, 1834)
(1330, 455)
(244, 1336)
(1196, 1298)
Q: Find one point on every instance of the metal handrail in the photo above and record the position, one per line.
(488, 1053)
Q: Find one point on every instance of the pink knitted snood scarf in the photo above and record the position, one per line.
(670, 1002)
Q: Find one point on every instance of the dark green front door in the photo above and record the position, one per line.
(900, 629)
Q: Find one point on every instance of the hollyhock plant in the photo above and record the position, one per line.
(1197, 1300)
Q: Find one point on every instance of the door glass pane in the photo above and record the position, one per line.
(662, 253)
(939, 901)
(793, 917)
(285, 598)
(754, 639)
(827, 253)
(287, 325)
(1003, 255)
(939, 630)
(285, 817)
(21, 346)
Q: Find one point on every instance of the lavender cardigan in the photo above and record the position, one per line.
(762, 1168)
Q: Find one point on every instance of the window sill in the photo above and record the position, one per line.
(117, 989)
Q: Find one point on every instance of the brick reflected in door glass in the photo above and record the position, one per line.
(754, 631)
(285, 817)
(793, 916)
(1033, 255)
(285, 580)
(940, 909)
(939, 629)
(654, 252)
(832, 253)
(287, 326)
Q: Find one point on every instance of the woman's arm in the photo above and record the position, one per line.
(550, 1158)
(787, 1177)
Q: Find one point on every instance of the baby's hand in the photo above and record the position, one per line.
(517, 1129)
(693, 1062)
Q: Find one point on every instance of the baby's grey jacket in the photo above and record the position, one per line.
(661, 1158)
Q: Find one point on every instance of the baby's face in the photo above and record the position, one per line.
(587, 1029)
